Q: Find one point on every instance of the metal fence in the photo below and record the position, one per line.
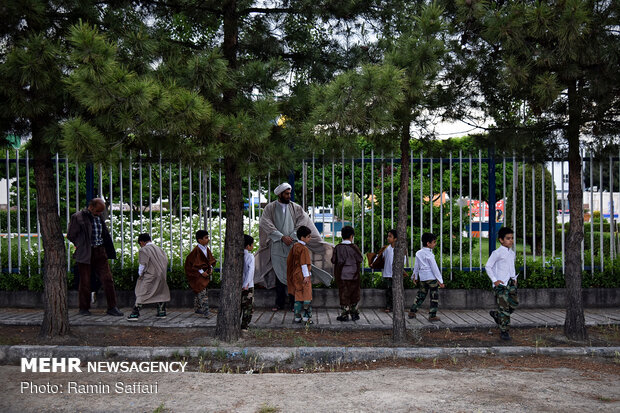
(145, 193)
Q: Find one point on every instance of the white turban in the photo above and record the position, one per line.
(281, 188)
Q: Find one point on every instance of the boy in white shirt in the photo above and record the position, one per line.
(388, 257)
(501, 270)
(247, 288)
(426, 269)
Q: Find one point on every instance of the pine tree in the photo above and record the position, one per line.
(548, 75)
(383, 103)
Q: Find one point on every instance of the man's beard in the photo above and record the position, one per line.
(284, 201)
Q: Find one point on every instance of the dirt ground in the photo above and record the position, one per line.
(517, 384)
(150, 336)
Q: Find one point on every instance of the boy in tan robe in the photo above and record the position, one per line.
(198, 269)
(151, 286)
(298, 276)
(347, 260)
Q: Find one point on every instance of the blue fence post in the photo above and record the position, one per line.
(90, 182)
(291, 182)
(492, 200)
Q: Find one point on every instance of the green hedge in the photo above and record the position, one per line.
(537, 277)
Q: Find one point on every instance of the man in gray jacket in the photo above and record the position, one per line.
(93, 247)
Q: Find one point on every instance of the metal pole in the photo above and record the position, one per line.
(534, 211)
(554, 203)
(591, 213)
(492, 201)
(460, 210)
(440, 214)
(524, 223)
(151, 196)
(131, 211)
(161, 206)
(8, 208)
(140, 199)
(600, 191)
(120, 189)
(481, 209)
(28, 207)
(421, 197)
(383, 201)
(372, 199)
(19, 209)
(470, 214)
(451, 202)
(430, 191)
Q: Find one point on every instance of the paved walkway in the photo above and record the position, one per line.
(371, 319)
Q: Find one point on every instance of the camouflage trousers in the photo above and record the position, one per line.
(424, 288)
(247, 307)
(349, 309)
(201, 302)
(303, 310)
(507, 302)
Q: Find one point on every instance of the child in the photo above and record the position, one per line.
(151, 286)
(347, 259)
(388, 259)
(501, 270)
(426, 269)
(247, 293)
(198, 269)
(298, 276)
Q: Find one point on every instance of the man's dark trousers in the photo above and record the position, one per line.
(281, 293)
(99, 264)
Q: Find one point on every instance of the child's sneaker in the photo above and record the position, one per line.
(412, 314)
(433, 318)
(135, 315)
(504, 335)
(344, 317)
(355, 317)
(297, 320)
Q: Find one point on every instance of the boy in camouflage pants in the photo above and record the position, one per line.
(247, 292)
(501, 270)
(426, 269)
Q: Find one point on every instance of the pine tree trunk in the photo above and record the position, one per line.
(55, 316)
(574, 325)
(228, 325)
(399, 329)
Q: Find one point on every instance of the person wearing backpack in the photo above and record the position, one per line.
(347, 260)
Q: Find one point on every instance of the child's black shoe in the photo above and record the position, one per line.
(343, 317)
(355, 317)
(504, 335)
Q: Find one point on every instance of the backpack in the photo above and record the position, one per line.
(376, 261)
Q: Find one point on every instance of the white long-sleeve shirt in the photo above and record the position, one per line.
(425, 266)
(501, 265)
(203, 248)
(141, 266)
(248, 269)
(388, 260)
(305, 269)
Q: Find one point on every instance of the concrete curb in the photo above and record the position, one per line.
(287, 355)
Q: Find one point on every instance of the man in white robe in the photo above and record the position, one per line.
(277, 234)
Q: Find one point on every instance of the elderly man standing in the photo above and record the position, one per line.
(93, 248)
(277, 234)
(151, 286)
